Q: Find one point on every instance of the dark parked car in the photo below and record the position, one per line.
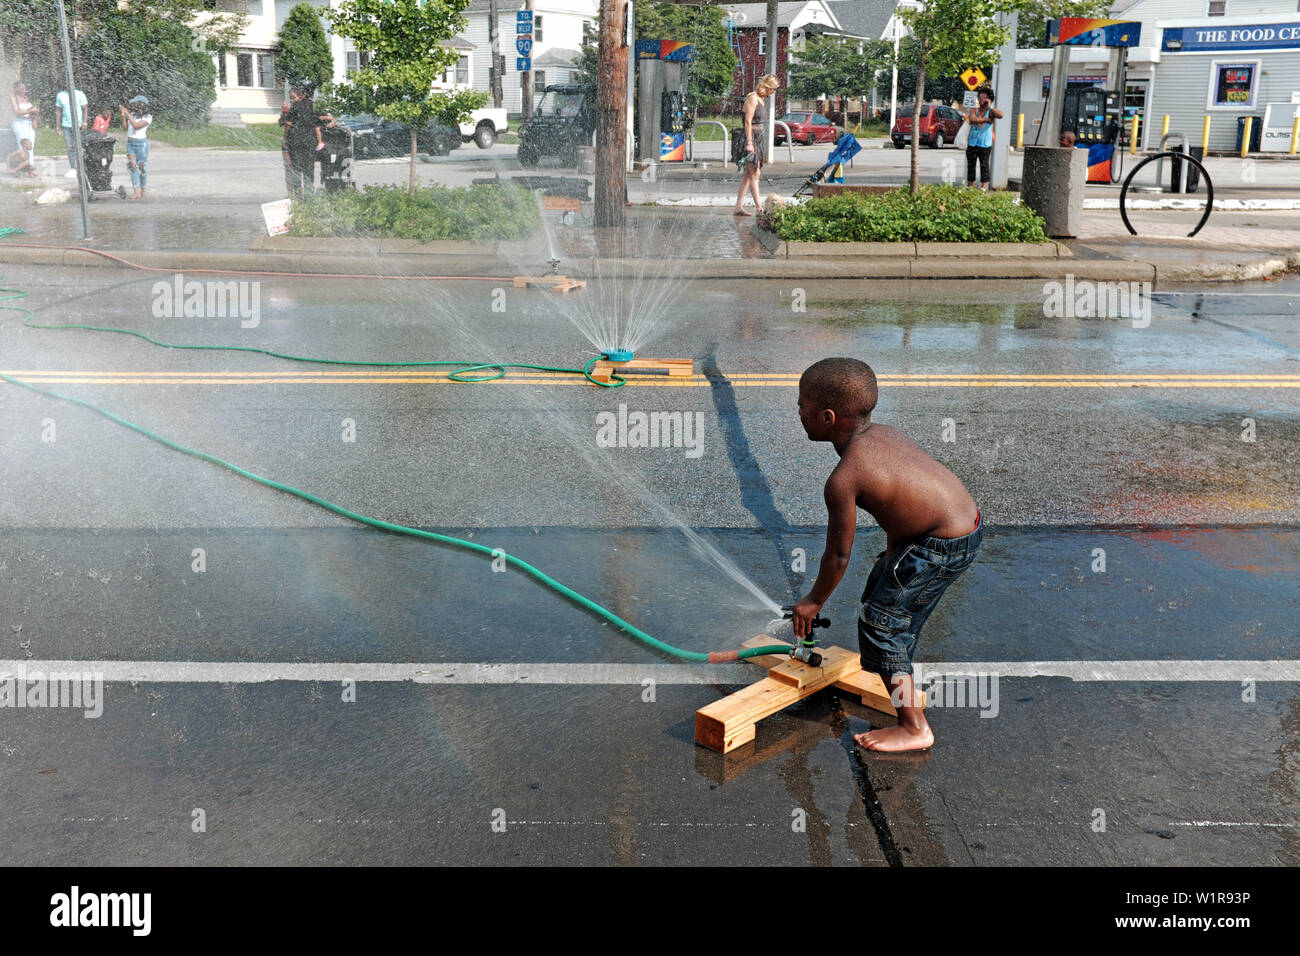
(939, 125)
(374, 137)
(564, 120)
(806, 128)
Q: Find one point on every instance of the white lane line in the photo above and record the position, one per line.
(240, 672)
(1225, 823)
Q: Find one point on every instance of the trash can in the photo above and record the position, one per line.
(1256, 128)
(1194, 174)
(97, 157)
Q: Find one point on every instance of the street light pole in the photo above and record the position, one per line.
(73, 110)
(893, 83)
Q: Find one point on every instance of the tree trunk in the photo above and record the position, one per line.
(611, 116)
(916, 124)
(410, 188)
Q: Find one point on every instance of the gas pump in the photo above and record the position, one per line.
(663, 68)
(1095, 115)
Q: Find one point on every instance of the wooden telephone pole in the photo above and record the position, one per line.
(611, 115)
(494, 46)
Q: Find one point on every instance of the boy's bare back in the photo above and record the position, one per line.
(908, 493)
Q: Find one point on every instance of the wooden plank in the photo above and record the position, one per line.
(561, 203)
(561, 284)
(729, 723)
(675, 368)
(864, 684)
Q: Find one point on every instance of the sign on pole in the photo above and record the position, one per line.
(974, 78)
(524, 44)
(525, 16)
(970, 99)
(523, 64)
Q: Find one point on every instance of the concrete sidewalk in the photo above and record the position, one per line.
(205, 212)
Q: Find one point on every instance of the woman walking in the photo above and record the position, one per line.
(136, 122)
(22, 161)
(753, 143)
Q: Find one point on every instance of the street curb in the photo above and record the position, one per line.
(800, 268)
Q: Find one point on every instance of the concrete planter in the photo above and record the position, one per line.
(909, 250)
(399, 247)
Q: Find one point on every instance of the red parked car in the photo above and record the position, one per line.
(939, 125)
(806, 128)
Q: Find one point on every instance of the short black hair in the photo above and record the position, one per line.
(845, 385)
(988, 91)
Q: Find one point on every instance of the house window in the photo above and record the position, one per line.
(357, 61)
(221, 69)
(1217, 8)
(462, 69)
(539, 80)
(762, 44)
(266, 70)
(226, 6)
(243, 69)
(537, 30)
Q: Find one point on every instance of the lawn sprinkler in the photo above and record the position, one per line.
(618, 355)
(804, 650)
(555, 266)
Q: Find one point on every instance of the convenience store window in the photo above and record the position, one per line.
(1232, 85)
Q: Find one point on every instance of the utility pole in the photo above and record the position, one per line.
(78, 115)
(893, 83)
(1004, 89)
(773, 37)
(611, 114)
(494, 45)
(526, 94)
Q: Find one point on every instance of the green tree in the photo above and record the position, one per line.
(942, 88)
(950, 36)
(160, 47)
(303, 53)
(830, 67)
(402, 37)
(714, 69)
(1031, 32)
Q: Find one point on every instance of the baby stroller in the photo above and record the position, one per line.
(97, 160)
(847, 147)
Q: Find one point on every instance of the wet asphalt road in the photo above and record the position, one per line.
(99, 529)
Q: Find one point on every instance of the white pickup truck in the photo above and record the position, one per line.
(484, 126)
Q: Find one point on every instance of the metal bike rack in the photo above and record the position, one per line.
(1176, 187)
(1185, 157)
(789, 139)
(726, 140)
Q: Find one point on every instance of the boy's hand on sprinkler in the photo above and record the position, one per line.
(802, 614)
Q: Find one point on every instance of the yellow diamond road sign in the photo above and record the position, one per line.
(973, 78)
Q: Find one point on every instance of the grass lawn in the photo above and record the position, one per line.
(49, 142)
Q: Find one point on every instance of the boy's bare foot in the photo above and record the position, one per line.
(895, 739)
(741, 212)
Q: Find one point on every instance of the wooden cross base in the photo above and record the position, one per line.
(675, 368)
(729, 723)
(561, 284)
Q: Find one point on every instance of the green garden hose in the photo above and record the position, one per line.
(495, 370)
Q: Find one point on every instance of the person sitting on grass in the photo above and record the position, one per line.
(932, 531)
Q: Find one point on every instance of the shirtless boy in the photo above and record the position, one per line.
(931, 524)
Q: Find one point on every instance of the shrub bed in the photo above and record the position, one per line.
(933, 214)
(431, 212)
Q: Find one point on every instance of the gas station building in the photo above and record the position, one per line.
(1223, 67)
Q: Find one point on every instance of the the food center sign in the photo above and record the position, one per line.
(1266, 36)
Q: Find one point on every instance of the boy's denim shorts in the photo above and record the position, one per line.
(901, 593)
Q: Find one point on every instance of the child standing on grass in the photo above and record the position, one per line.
(931, 523)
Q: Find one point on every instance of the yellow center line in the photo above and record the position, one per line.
(744, 379)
